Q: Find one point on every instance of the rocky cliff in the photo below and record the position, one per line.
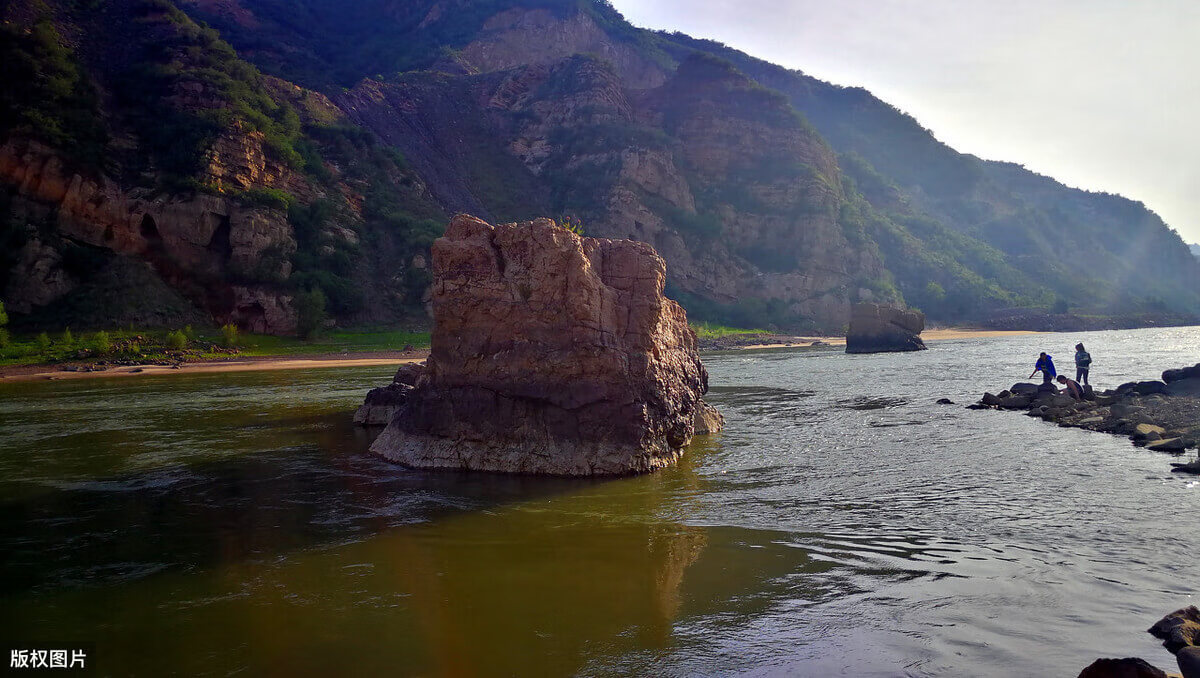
(775, 199)
(552, 354)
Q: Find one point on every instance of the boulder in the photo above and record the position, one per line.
(382, 404)
(1168, 445)
(1130, 667)
(708, 419)
(1142, 388)
(409, 373)
(991, 400)
(1024, 388)
(1171, 376)
(877, 329)
(1016, 402)
(945, 401)
(1148, 432)
(551, 354)
(1180, 632)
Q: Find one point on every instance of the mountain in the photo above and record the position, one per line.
(236, 152)
(1195, 249)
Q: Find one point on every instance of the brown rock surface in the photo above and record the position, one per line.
(875, 328)
(551, 354)
(189, 239)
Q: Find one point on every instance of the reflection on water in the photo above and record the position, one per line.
(843, 523)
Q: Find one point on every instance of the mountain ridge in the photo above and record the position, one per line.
(776, 198)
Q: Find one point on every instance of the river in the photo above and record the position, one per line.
(842, 524)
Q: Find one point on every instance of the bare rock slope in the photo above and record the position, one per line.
(551, 354)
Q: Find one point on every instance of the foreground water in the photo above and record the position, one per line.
(842, 524)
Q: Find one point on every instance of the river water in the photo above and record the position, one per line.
(843, 524)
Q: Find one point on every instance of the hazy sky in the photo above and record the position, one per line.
(1100, 94)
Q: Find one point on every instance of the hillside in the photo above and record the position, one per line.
(308, 145)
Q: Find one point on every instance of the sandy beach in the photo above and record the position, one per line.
(54, 373)
(51, 373)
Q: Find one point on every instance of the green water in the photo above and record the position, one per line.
(843, 524)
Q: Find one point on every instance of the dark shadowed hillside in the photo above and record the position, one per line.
(245, 152)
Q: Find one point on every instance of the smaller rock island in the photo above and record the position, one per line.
(551, 354)
(875, 328)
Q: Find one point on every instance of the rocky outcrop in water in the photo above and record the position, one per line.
(551, 354)
(1180, 633)
(875, 328)
(1163, 416)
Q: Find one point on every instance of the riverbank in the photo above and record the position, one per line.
(298, 361)
(243, 364)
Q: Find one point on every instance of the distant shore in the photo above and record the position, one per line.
(760, 341)
(24, 373)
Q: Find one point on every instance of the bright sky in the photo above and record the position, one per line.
(1099, 94)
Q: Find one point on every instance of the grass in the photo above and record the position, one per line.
(348, 341)
(154, 346)
(711, 331)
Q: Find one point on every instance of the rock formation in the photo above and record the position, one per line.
(1179, 631)
(877, 329)
(551, 354)
(1163, 417)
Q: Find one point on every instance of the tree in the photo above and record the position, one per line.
(310, 311)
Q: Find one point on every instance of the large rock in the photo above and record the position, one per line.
(876, 329)
(1180, 632)
(1193, 372)
(551, 354)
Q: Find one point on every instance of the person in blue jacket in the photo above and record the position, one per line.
(1045, 365)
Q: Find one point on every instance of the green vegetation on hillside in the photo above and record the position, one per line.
(46, 94)
(187, 86)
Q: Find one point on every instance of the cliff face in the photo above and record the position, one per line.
(775, 199)
(235, 190)
(735, 191)
(188, 241)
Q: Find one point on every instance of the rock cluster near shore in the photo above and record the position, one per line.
(551, 354)
(1163, 416)
(875, 328)
(1180, 633)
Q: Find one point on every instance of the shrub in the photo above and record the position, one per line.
(310, 309)
(229, 335)
(101, 342)
(3, 315)
(67, 340)
(189, 332)
(42, 342)
(177, 340)
(5, 340)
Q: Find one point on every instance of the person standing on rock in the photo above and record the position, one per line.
(1045, 365)
(1083, 362)
(1073, 388)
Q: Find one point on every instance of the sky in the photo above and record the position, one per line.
(1099, 94)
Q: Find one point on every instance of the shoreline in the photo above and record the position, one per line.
(26, 373)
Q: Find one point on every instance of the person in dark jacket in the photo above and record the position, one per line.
(1045, 365)
(1083, 362)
